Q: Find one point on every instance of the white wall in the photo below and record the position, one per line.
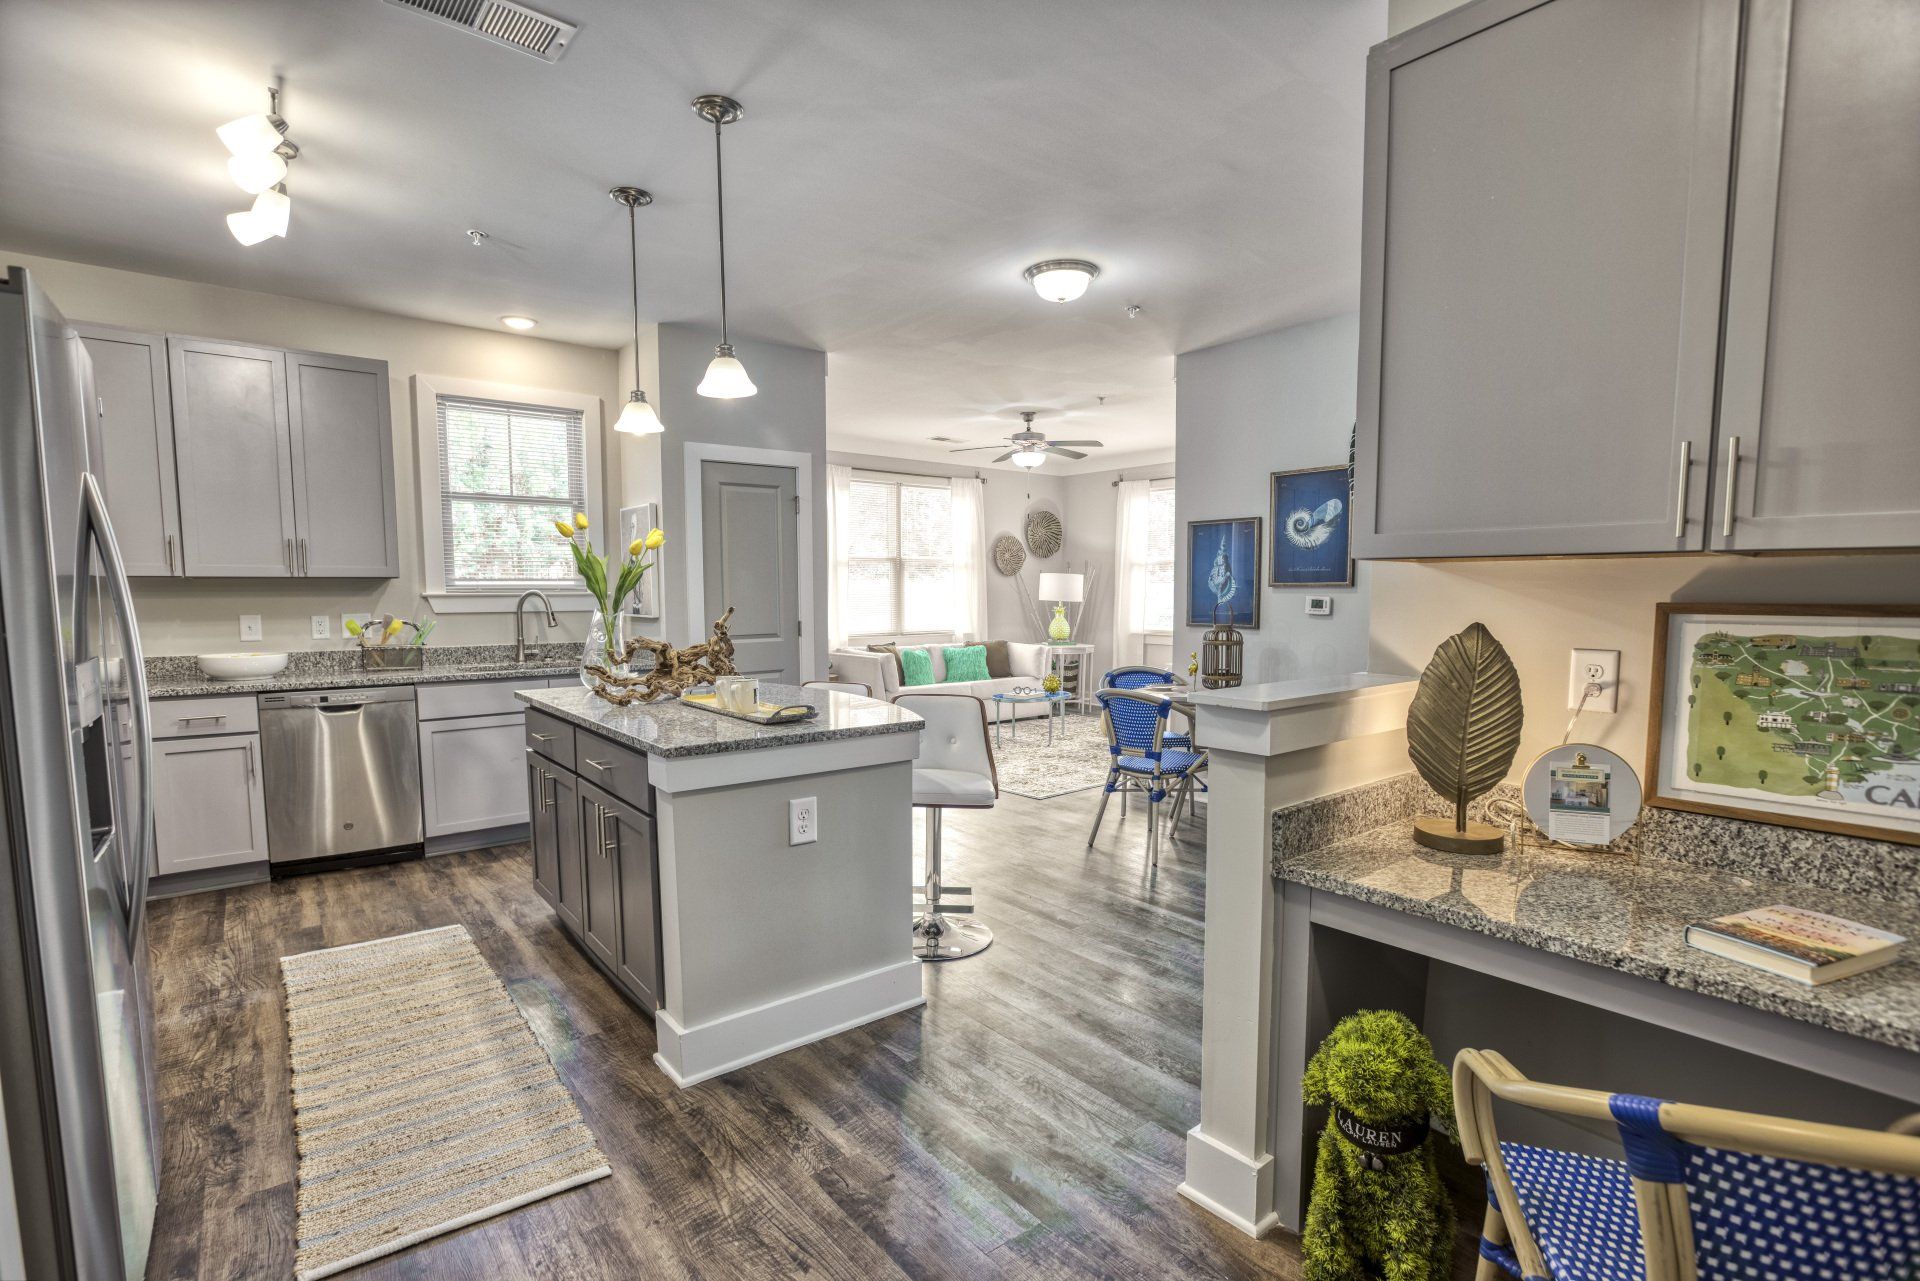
(1243, 410)
(184, 616)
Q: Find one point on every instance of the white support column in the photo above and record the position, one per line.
(1267, 746)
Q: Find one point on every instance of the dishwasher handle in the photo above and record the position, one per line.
(339, 700)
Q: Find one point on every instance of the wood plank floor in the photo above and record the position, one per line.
(1028, 1122)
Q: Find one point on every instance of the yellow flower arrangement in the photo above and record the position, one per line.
(593, 572)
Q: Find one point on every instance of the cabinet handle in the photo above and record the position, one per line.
(546, 797)
(609, 845)
(541, 738)
(599, 829)
(1733, 476)
(217, 720)
(169, 553)
(290, 569)
(1680, 500)
(602, 766)
(252, 766)
(303, 556)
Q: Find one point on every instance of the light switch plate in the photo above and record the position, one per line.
(322, 627)
(250, 627)
(803, 820)
(1602, 665)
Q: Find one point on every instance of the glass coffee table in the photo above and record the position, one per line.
(1056, 701)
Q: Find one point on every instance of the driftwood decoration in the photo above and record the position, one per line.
(1462, 731)
(675, 670)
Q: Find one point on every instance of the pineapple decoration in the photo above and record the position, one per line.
(1051, 683)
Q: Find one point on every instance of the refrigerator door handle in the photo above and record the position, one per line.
(99, 530)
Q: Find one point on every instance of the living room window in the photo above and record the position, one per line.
(900, 557)
(1157, 596)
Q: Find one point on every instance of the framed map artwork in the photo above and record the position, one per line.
(1802, 715)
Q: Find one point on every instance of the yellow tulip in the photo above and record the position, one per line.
(637, 546)
(655, 537)
(566, 530)
(579, 520)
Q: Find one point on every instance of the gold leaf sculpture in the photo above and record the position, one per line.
(1463, 729)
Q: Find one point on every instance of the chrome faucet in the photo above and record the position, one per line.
(520, 621)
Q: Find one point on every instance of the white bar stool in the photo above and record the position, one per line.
(955, 770)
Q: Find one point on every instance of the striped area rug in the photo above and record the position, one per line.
(422, 1101)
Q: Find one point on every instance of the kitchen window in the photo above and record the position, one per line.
(900, 549)
(507, 473)
(1157, 597)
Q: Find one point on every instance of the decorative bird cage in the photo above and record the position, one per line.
(1222, 655)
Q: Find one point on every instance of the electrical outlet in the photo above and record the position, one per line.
(322, 628)
(803, 820)
(1594, 666)
(250, 627)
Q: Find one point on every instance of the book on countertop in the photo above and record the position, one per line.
(1793, 942)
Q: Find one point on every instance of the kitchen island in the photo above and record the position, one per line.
(666, 839)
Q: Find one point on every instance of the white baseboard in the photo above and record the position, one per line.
(1227, 1184)
(690, 1055)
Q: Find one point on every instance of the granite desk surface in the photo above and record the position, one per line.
(670, 729)
(1609, 910)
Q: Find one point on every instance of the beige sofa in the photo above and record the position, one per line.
(879, 673)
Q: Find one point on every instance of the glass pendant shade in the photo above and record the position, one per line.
(254, 173)
(1028, 459)
(271, 210)
(246, 228)
(637, 417)
(249, 135)
(726, 377)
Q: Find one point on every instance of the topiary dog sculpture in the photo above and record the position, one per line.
(1378, 1207)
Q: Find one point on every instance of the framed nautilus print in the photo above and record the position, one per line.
(1308, 516)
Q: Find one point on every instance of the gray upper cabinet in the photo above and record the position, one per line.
(1546, 195)
(231, 443)
(1820, 403)
(342, 466)
(130, 381)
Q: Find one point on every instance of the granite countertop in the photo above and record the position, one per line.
(669, 729)
(179, 675)
(1627, 915)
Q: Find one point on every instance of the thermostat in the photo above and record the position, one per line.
(1319, 606)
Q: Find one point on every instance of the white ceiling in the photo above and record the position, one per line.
(900, 163)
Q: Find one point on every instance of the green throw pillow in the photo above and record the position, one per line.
(916, 667)
(965, 662)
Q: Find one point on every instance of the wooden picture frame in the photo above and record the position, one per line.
(1788, 688)
(1310, 527)
(1243, 553)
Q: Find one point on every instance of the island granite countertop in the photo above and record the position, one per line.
(1626, 914)
(670, 730)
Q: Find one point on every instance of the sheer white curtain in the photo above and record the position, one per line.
(1130, 572)
(839, 550)
(969, 515)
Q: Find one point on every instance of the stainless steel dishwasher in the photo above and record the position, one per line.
(341, 770)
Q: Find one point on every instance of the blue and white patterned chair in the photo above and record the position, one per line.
(1702, 1192)
(1140, 678)
(1139, 759)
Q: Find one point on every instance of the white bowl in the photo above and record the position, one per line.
(241, 667)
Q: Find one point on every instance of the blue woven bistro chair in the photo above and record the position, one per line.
(1139, 759)
(1140, 678)
(1702, 1192)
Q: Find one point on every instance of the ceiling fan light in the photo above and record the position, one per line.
(637, 417)
(1061, 279)
(249, 135)
(1029, 458)
(255, 172)
(271, 210)
(726, 377)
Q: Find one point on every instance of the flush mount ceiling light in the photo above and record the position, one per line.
(519, 322)
(726, 377)
(258, 166)
(637, 417)
(1061, 279)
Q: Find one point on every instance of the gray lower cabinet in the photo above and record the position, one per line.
(595, 859)
(1820, 397)
(470, 771)
(130, 390)
(210, 809)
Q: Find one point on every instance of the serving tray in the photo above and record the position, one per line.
(763, 713)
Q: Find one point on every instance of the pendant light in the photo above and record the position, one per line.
(257, 163)
(726, 377)
(637, 418)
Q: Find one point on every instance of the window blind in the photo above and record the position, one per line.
(507, 472)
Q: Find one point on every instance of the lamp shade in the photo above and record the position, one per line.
(249, 135)
(1063, 587)
(726, 378)
(1029, 459)
(255, 172)
(638, 418)
(271, 209)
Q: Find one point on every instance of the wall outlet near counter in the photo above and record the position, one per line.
(250, 627)
(322, 627)
(1594, 667)
(803, 820)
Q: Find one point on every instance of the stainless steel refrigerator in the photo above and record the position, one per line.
(76, 827)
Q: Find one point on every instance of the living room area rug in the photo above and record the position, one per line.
(1076, 760)
(422, 1101)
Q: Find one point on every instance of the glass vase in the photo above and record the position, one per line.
(606, 647)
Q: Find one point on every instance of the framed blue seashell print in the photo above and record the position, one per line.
(1223, 572)
(1310, 545)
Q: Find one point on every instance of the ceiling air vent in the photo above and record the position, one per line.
(502, 22)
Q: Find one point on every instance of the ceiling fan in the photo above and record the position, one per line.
(1030, 447)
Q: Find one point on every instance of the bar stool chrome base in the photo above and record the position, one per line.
(937, 937)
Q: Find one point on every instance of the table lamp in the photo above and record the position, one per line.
(1062, 590)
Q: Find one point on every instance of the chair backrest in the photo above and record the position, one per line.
(1135, 678)
(955, 737)
(1135, 723)
(1719, 1194)
(845, 687)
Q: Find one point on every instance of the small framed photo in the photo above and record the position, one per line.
(635, 521)
(1223, 572)
(1307, 512)
(1802, 715)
